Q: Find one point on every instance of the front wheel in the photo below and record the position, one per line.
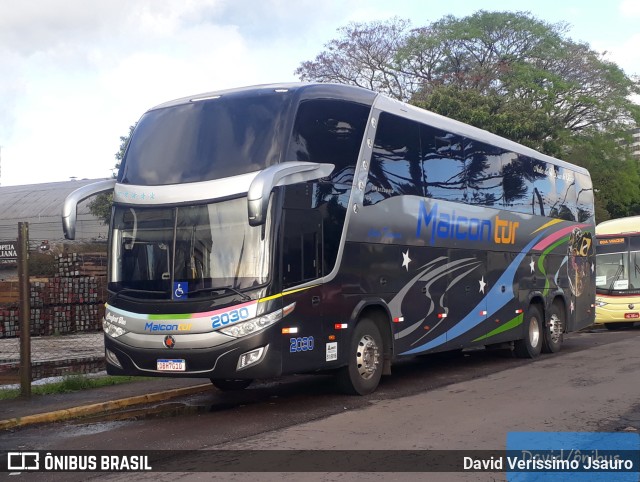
(531, 344)
(230, 384)
(362, 374)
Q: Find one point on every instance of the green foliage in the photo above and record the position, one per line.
(70, 383)
(101, 204)
(509, 73)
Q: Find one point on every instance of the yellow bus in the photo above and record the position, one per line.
(618, 272)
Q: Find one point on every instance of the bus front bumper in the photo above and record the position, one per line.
(255, 356)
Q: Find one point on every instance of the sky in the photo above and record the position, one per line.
(75, 74)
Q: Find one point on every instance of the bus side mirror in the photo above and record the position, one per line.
(283, 174)
(70, 205)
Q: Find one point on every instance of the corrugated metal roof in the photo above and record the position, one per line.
(41, 206)
(35, 200)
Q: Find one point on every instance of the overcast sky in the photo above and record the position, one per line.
(75, 74)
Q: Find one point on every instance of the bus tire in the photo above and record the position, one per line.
(552, 335)
(362, 374)
(230, 384)
(531, 343)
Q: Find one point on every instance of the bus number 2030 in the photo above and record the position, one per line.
(304, 343)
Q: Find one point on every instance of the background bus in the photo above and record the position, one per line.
(304, 228)
(618, 272)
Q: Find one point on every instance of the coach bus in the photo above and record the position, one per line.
(299, 228)
(618, 272)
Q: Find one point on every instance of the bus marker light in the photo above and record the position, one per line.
(332, 337)
(483, 313)
(341, 326)
(427, 327)
(399, 319)
(288, 309)
(519, 311)
(442, 315)
(290, 330)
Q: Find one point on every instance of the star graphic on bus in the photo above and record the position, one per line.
(482, 285)
(406, 260)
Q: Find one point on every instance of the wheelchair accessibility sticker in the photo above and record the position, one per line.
(180, 290)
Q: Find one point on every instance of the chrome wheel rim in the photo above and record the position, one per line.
(534, 332)
(367, 357)
(555, 328)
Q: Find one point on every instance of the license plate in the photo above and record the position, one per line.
(632, 315)
(166, 365)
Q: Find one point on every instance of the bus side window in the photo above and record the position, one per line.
(584, 198)
(395, 163)
(565, 204)
(443, 164)
(484, 173)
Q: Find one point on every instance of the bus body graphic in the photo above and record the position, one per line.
(296, 228)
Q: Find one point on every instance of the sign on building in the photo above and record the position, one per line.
(8, 252)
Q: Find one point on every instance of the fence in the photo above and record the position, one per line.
(65, 319)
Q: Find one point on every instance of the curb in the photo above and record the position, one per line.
(112, 405)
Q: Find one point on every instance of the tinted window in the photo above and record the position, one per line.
(395, 163)
(329, 131)
(205, 140)
(565, 203)
(584, 198)
(443, 164)
(484, 173)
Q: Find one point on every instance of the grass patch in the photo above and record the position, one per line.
(71, 383)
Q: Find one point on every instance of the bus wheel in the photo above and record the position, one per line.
(531, 345)
(362, 374)
(553, 330)
(230, 384)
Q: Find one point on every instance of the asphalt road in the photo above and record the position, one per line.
(470, 401)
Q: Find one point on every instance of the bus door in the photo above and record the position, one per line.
(301, 263)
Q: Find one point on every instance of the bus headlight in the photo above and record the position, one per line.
(256, 324)
(114, 331)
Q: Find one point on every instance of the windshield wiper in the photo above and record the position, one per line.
(134, 290)
(616, 276)
(242, 295)
(223, 289)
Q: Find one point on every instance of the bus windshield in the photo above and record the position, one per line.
(207, 139)
(203, 248)
(617, 265)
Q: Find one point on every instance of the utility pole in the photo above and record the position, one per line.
(24, 317)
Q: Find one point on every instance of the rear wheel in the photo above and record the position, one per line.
(531, 345)
(362, 374)
(230, 384)
(553, 330)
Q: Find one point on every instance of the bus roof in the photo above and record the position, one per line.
(365, 96)
(616, 227)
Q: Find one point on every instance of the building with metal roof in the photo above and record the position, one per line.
(41, 206)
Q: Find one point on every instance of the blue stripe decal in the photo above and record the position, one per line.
(495, 300)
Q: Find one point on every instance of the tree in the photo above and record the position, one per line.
(509, 73)
(100, 206)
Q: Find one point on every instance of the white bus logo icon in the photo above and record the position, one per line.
(23, 461)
